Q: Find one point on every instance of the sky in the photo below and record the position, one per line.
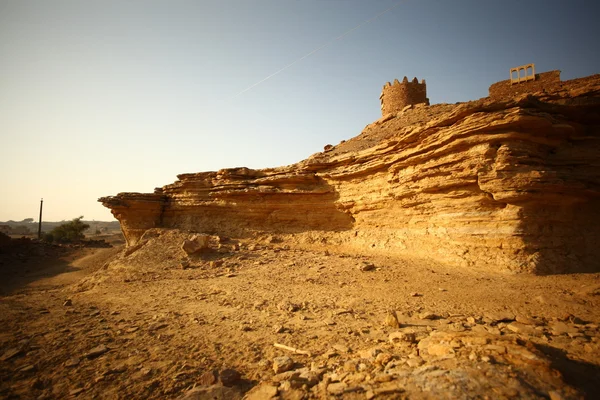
(102, 97)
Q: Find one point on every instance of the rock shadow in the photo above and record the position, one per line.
(19, 269)
(561, 239)
(579, 374)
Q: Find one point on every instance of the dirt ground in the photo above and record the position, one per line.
(152, 322)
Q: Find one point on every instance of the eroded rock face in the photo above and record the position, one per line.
(498, 184)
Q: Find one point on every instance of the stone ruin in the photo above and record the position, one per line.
(394, 97)
(523, 79)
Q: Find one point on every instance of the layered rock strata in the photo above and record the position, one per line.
(510, 184)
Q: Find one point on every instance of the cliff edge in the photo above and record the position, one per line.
(507, 184)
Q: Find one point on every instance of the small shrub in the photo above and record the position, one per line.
(69, 231)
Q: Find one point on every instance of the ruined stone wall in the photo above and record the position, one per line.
(394, 97)
(546, 81)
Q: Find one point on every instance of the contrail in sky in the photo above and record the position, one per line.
(315, 50)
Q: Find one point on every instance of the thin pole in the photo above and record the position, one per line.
(40, 223)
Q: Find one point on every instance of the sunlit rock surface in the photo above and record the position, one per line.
(511, 184)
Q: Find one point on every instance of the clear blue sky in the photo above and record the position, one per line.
(101, 97)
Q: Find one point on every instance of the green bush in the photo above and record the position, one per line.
(69, 231)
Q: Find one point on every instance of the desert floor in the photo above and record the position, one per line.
(105, 323)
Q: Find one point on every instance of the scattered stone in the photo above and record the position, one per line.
(369, 353)
(500, 317)
(75, 392)
(555, 395)
(415, 294)
(72, 362)
(428, 315)
(262, 392)
(68, 303)
(97, 351)
(287, 306)
(285, 376)
(561, 328)
(336, 388)
(383, 358)
(350, 366)
(156, 326)
(311, 378)
(215, 392)
(388, 389)
(366, 266)
(399, 337)
(195, 243)
(26, 368)
(282, 364)
(342, 348)
(229, 377)
(208, 378)
(391, 319)
(522, 329)
(11, 353)
(415, 362)
(341, 311)
(525, 320)
(279, 329)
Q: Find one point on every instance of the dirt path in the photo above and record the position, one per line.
(143, 327)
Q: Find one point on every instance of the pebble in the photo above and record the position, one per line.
(72, 362)
(523, 329)
(415, 362)
(391, 319)
(337, 388)
(369, 353)
(27, 368)
(282, 364)
(229, 377)
(500, 317)
(262, 392)
(428, 315)
(208, 378)
(75, 392)
(366, 266)
(383, 358)
(97, 351)
(342, 348)
(561, 328)
(396, 337)
(10, 353)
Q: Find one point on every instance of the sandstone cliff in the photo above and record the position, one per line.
(510, 184)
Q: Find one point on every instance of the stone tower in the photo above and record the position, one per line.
(394, 97)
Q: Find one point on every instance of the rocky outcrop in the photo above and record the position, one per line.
(509, 184)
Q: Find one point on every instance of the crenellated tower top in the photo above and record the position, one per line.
(395, 96)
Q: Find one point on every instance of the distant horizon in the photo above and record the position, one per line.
(36, 221)
(98, 98)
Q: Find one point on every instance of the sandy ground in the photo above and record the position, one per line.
(105, 323)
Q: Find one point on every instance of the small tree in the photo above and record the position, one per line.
(69, 231)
